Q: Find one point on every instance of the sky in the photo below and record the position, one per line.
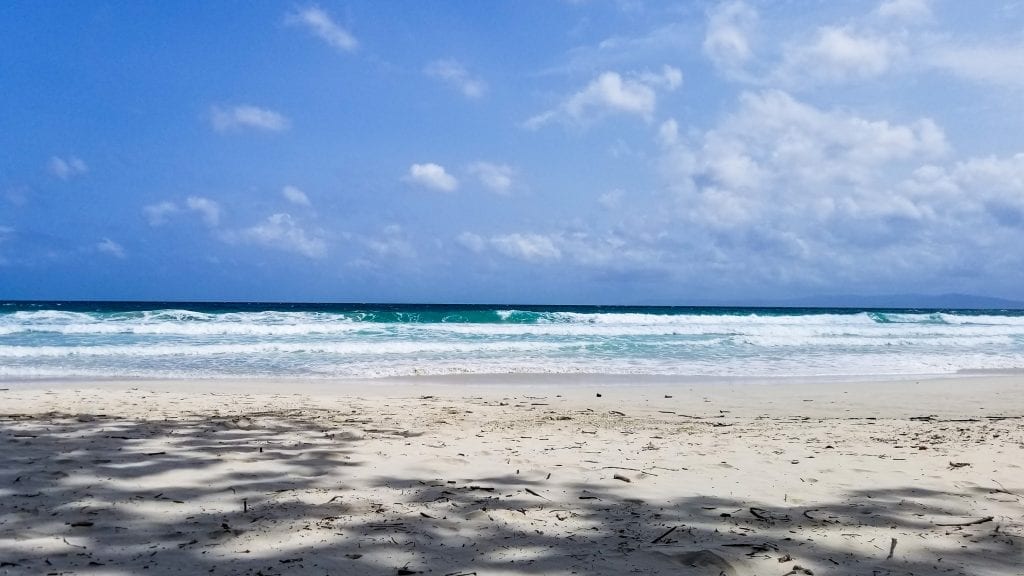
(538, 151)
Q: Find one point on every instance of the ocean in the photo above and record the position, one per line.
(43, 340)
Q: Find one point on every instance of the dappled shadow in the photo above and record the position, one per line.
(286, 492)
(504, 524)
(94, 491)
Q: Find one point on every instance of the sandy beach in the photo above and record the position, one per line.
(514, 475)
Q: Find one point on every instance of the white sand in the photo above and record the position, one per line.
(521, 475)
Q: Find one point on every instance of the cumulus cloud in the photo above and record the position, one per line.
(979, 192)
(775, 143)
(67, 168)
(727, 40)
(295, 196)
(603, 253)
(984, 63)
(247, 116)
(528, 247)
(392, 242)
(455, 74)
(208, 209)
(496, 177)
(790, 193)
(320, 24)
(432, 176)
(108, 246)
(668, 132)
(612, 93)
(838, 54)
(281, 232)
(468, 240)
(158, 214)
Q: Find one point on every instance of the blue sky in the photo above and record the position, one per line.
(535, 152)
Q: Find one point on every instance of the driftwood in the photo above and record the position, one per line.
(536, 494)
(659, 538)
(970, 523)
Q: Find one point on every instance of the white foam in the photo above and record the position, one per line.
(378, 349)
(56, 343)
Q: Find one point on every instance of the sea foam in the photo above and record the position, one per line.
(238, 341)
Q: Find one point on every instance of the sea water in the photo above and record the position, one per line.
(217, 340)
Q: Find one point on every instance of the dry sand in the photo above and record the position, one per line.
(513, 476)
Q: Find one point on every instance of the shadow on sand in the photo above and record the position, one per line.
(284, 493)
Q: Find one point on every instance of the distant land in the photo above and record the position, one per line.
(921, 301)
(961, 301)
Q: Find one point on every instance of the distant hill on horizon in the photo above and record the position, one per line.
(921, 301)
(961, 301)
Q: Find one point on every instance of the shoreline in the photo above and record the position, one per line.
(513, 378)
(976, 393)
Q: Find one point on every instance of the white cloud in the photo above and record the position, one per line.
(668, 79)
(789, 193)
(468, 240)
(668, 132)
(906, 10)
(456, 74)
(611, 93)
(528, 247)
(432, 176)
(977, 192)
(496, 177)
(67, 168)
(108, 246)
(839, 54)
(784, 194)
(208, 209)
(391, 243)
(727, 40)
(660, 44)
(986, 63)
(247, 116)
(320, 24)
(295, 196)
(605, 252)
(773, 137)
(281, 232)
(158, 214)
(611, 199)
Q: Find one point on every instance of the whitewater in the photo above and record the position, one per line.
(42, 340)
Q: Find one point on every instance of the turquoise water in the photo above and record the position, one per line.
(265, 340)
